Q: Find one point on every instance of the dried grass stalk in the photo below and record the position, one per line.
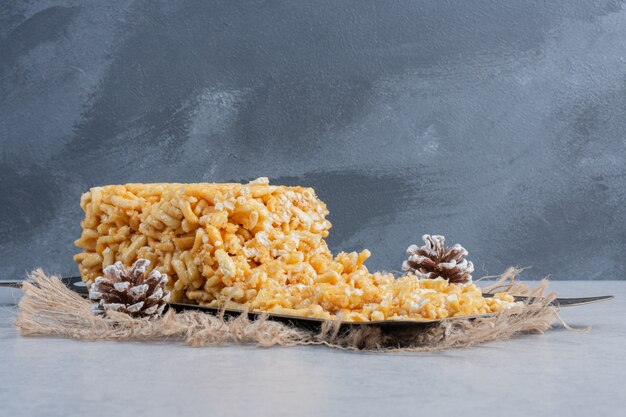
(48, 307)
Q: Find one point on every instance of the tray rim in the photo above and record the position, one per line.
(76, 284)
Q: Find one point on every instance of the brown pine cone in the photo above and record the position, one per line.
(130, 291)
(434, 260)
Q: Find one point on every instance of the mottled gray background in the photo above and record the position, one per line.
(500, 124)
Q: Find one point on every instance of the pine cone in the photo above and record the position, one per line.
(434, 260)
(130, 291)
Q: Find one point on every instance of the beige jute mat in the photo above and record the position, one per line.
(49, 308)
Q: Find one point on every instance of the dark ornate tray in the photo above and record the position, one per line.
(310, 323)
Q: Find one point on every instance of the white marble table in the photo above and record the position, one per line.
(559, 373)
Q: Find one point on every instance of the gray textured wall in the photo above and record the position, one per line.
(500, 124)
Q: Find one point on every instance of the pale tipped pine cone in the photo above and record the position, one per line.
(130, 291)
(434, 260)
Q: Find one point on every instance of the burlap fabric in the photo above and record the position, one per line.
(49, 308)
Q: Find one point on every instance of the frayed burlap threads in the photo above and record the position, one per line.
(508, 282)
(48, 307)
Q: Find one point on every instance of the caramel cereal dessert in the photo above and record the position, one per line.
(258, 246)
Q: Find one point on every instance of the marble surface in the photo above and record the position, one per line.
(555, 374)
